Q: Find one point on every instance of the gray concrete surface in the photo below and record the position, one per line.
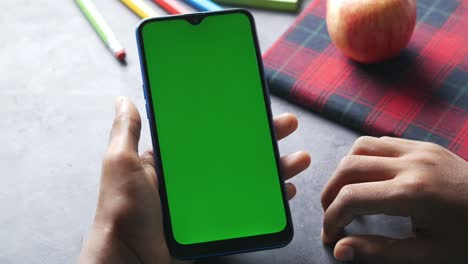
(57, 88)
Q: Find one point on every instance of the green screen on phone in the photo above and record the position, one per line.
(215, 143)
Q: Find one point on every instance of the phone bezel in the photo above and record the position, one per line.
(229, 246)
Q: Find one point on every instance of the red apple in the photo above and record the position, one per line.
(370, 31)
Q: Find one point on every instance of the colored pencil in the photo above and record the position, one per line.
(102, 28)
(284, 5)
(204, 5)
(140, 8)
(172, 7)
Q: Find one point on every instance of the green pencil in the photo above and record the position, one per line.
(102, 28)
(286, 5)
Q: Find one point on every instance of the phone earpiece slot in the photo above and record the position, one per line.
(195, 19)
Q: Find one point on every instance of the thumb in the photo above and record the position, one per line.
(126, 128)
(384, 250)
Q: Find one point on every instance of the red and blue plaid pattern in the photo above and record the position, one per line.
(422, 94)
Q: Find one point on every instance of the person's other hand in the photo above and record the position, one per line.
(128, 224)
(399, 177)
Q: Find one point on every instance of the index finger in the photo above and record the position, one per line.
(368, 198)
(382, 147)
(285, 124)
(358, 169)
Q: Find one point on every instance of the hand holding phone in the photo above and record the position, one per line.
(124, 227)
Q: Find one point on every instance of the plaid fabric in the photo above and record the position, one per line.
(422, 94)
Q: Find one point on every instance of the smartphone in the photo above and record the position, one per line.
(216, 156)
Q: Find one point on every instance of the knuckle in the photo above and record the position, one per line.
(330, 222)
(340, 205)
(323, 199)
(120, 159)
(386, 138)
(423, 158)
(413, 187)
(326, 221)
(347, 162)
(363, 140)
(429, 146)
(362, 144)
(345, 196)
(126, 119)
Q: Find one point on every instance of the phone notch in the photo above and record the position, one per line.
(195, 19)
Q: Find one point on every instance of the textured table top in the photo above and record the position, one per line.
(57, 88)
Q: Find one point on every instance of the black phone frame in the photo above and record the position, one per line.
(229, 246)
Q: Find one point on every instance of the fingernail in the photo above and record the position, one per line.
(344, 253)
(119, 102)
